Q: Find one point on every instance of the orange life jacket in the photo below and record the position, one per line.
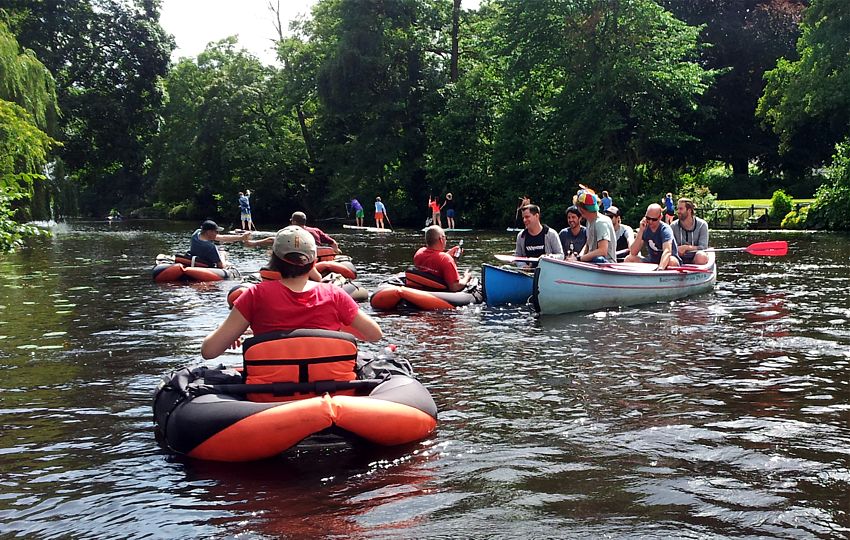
(299, 356)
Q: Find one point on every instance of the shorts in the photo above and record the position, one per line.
(655, 260)
(688, 258)
(670, 213)
(246, 217)
(379, 216)
(450, 213)
(359, 214)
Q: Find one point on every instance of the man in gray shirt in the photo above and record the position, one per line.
(601, 246)
(691, 233)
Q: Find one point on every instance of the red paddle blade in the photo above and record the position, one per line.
(776, 248)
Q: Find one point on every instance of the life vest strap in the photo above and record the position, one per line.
(285, 389)
(298, 362)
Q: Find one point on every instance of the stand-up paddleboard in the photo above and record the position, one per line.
(514, 229)
(253, 233)
(451, 230)
(367, 229)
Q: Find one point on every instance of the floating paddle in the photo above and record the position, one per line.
(777, 248)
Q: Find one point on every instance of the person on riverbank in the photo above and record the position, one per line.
(449, 206)
(669, 208)
(600, 246)
(292, 302)
(660, 245)
(536, 239)
(625, 234)
(202, 244)
(380, 213)
(690, 232)
(245, 211)
(573, 237)
(434, 259)
(359, 214)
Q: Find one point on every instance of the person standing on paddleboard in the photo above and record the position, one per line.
(449, 205)
(380, 213)
(245, 211)
(359, 214)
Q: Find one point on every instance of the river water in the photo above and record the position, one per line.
(724, 415)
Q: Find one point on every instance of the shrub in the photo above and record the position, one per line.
(184, 211)
(780, 204)
(796, 219)
(831, 209)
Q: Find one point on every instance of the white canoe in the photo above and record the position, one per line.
(367, 229)
(567, 286)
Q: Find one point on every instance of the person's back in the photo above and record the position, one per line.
(291, 302)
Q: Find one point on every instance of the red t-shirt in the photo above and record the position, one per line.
(438, 263)
(271, 306)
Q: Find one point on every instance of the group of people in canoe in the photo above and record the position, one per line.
(595, 234)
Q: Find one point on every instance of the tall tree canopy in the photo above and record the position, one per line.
(744, 39)
(107, 57)
(227, 128)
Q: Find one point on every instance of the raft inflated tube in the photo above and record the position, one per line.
(389, 298)
(235, 293)
(325, 253)
(345, 268)
(204, 414)
(356, 291)
(167, 272)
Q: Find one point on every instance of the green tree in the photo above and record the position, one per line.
(744, 39)
(806, 100)
(27, 110)
(226, 128)
(108, 57)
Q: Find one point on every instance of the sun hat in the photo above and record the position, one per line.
(588, 201)
(295, 241)
(613, 211)
(210, 225)
(448, 195)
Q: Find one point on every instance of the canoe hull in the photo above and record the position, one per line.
(505, 285)
(568, 286)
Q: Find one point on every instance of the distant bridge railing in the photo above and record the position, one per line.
(735, 217)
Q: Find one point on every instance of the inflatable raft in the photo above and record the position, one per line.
(292, 386)
(421, 290)
(180, 267)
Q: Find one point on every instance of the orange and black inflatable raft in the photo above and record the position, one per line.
(421, 290)
(187, 268)
(207, 414)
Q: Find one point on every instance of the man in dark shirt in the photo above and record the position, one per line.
(203, 241)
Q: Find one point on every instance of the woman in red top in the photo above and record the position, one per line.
(291, 302)
(435, 207)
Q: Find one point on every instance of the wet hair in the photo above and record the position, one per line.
(292, 265)
(573, 210)
(533, 208)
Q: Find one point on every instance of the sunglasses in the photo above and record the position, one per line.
(651, 218)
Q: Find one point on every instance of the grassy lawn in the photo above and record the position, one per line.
(746, 203)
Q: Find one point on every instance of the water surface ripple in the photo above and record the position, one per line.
(725, 415)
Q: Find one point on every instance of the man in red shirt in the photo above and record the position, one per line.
(322, 239)
(435, 260)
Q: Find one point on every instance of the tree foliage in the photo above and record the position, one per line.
(27, 109)
(107, 57)
(227, 128)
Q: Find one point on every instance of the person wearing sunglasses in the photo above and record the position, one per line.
(661, 247)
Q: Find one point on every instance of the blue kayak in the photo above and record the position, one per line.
(504, 285)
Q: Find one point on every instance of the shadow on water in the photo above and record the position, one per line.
(722, 415)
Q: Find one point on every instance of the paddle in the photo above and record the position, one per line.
(512, 258)
(777, 248)
(390, 223)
